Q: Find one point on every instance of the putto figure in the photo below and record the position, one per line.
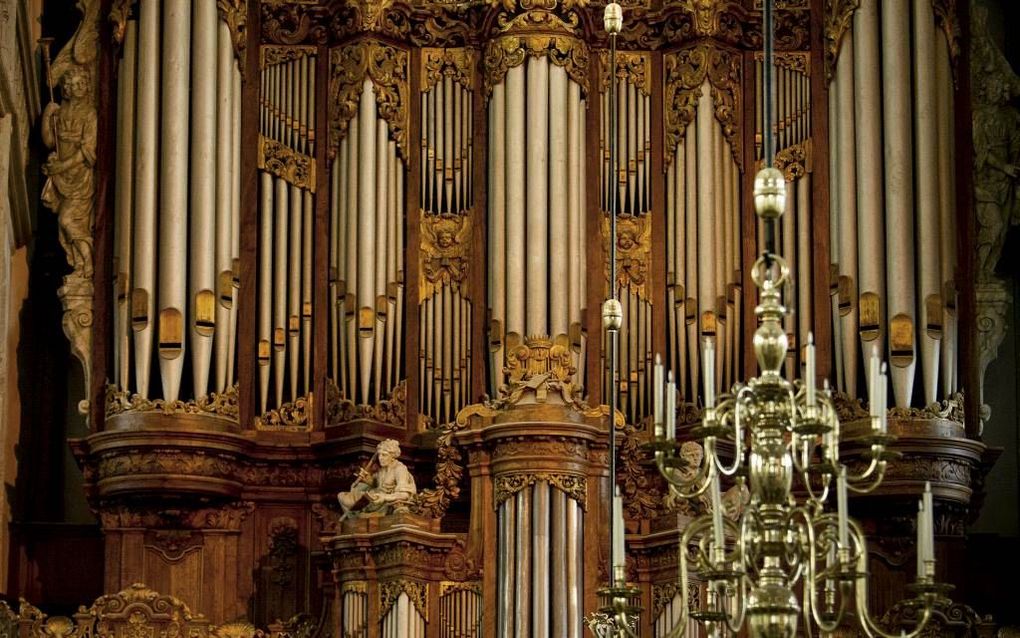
(386, 490)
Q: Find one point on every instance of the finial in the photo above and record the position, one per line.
(613, 18)
(769, 193)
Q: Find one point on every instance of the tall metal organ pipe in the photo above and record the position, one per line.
(894, 251)
(177, 157)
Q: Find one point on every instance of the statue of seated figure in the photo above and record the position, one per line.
(389, 489)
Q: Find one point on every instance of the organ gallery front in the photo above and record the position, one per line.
(363, 248)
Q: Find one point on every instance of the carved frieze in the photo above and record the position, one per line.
(295, 416)
(574, 486)
(387, 67)
(559, 447)
(392, 411)
(685, 73)
(168, 461)
(227, 518)
(417, 593)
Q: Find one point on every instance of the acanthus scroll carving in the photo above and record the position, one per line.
(459, 64)
(633, 68)
(229, 517)
(284, 162)
(417, 593)
(221, 404)
(574, 486)
(795, 161)
(387, 67)
(235, 14)
(342, 410)
(838, 16)
(685, 74)
(536, 33)
(294, 416)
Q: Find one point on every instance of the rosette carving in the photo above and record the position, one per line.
(459, 64)
(536, 33)
(282, 161)
(387, 67)
(685, 73)
(221, 404)
(574, 486)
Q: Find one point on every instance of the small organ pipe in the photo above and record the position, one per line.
(870, 201)
(173, 228)
(203, 224)
(394, 219)
(497, 236)
(947, 199)
(280, 244)
(124, 203)
(224, 199)
(292, 292)
(265, 294)
(846, 210)
(351, 252)
(573, 254)
(899, 196)
(379, 268)
(524, 578)
(537, 170)
(515, 209)
(927, 189)
(366, 237)
(559, 202)
(691, 234)
(306, 292)
(337, 168)
(805, 275)
(540, 579)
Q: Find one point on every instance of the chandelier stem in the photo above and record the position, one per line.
(612, 333)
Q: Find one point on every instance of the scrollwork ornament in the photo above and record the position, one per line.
(434, 502)
(119, 14)
(417, 593)
(633, 68)
(663, 595)
(235, 14)
(221, 404)
(293, 416)
(685, 73)
(458, 64)
(535, 34)
(294, 23)
(794, 161)
(282, 161)
(574, 486)
(392, 411)
(838, 17)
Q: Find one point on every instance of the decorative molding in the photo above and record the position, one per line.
(434, 502)
(838, 18)
(444, 252)
(387, 67)
(558, 447)
(228, 518)
(220, 404)
(283, 161)
(173, 545)
(537, 33)
(459, 64)
(663, 595)
(389, 592)
(293, 416)
(635, 68)
(574, 486)
(685, 72)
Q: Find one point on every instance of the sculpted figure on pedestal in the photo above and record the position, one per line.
(386, 490)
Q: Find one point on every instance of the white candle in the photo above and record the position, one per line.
(709, 356)
(929, 523)
(811, 401)
(717, 523)
(841, 509)
(920, 539)
(873, 381)
(657, 394)
(671, 408)
(619, 557)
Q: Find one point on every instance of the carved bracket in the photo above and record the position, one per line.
(838, 17)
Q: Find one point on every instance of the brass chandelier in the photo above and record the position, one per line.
(783, 543)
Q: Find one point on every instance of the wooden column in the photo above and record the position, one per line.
(820, 256)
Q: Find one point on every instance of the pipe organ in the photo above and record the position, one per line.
(630, 184)
(704, 262)
(446, 222)
(369, 92)
(893, 221)
(286, 223)
(177, 204)
(536, 220)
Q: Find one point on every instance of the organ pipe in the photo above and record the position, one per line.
(125, 203)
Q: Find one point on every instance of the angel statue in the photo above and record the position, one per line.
(70, 129)
(444, 246)
(386, 490)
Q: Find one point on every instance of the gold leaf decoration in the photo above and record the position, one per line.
(633, 68)
(343, 410)
(685, 73)
(633, 251)
(573, 485)
(119, 14)
(434, 502)
(235, 14)
(536, 33)
(387, 67)
(294, 416)
(459, 64)
(445, 244)
(223, 404)
(389, 592)
(795, 161)
(838, 17)
(282, 161)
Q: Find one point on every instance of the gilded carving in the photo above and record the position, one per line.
(417, 593)
(294, 22)
(633, 252)
(120, 11)
(663, 595)
(459, 64)
(950, 408)
(633, 68)
(387, 67)
(945, 18)
(838, 17)
(293, 416)
(574, 486)
(272, 55)
(228, 517)
(685, 73)
(536, 33)
(795, 161)
(848, 408)
(282, 161)
(796, 61)
(448, 587)
(445, 251)
(221, 404)
(235, 14)
(342, 410)
(433, 502)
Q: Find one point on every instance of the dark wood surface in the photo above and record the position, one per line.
(820, 257)
(320, 240)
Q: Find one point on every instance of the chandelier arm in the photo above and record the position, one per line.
(703, 477)
(865, 475)
(881, 465)
(817, 499)
(737, 457)
(811, 597)
(737, 622)
(870, 627)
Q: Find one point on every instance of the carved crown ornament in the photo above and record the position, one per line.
(685, 72)
(387, 68)
(220, 404)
